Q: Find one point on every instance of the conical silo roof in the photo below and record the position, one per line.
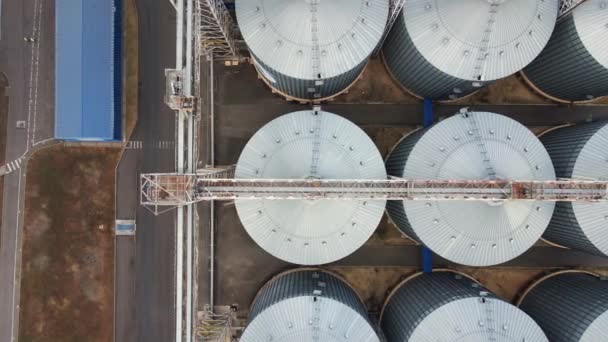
(472, 146)
(310, 144)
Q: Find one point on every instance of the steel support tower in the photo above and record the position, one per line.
(216, 29)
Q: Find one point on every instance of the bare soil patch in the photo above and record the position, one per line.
(375, 85)
(68, 243)
(131, 86)
(374, 284)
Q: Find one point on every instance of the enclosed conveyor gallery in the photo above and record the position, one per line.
(311, 50)
(475, 146)
(310, 144)
(447, 49)
(308, 305)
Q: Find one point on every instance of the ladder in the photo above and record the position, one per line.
(476, 133)
(316, 52)
(316, 143)
(482, 53)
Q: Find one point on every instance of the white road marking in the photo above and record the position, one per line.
(33, 70)
(138, 144)
(43, 141)
(13, 165)
(37, 38)
(15, 258)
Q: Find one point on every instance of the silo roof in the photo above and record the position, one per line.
(284, 34)
(592, 164)
(474, 147)
(591, 21)
(477, 39)
(470, 318)
(596, 331)
(299, 319)
(444, 306)
(302, 231)
(569, 305)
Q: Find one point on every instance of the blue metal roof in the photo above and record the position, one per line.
(87, 74)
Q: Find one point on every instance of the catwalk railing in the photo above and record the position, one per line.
(170, 190)
(566, 6)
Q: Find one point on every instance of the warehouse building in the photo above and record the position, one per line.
(88, 76)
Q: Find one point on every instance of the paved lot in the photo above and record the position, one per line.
(244, 104)
(29, 68)
(124, 282)
(153, 272)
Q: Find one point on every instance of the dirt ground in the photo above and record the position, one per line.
(374, 284)
(376, 85)
(131, 65)
(68, 243)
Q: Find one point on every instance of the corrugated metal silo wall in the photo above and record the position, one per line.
(395, 165)
(565, 305)
(565, 69)
(564, 146)
(303, 283)
(299, 88)
(419, 297)
(414, 72)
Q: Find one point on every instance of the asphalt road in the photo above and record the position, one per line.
(153, 273)
(29, 68)
(124, 310)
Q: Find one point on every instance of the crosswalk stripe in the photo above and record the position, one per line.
(161, 144)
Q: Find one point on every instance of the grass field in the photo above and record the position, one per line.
(67, 270)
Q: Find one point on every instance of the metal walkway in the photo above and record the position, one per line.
(171, 190)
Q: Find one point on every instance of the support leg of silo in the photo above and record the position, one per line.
(427, 121)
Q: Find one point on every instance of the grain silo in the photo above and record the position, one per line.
(574, 65)
(313, 49)
(446, 306)
(472, 146)
(310, 145)
(579, 152)
(569, 306)
(446, 49)
(308, 305)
